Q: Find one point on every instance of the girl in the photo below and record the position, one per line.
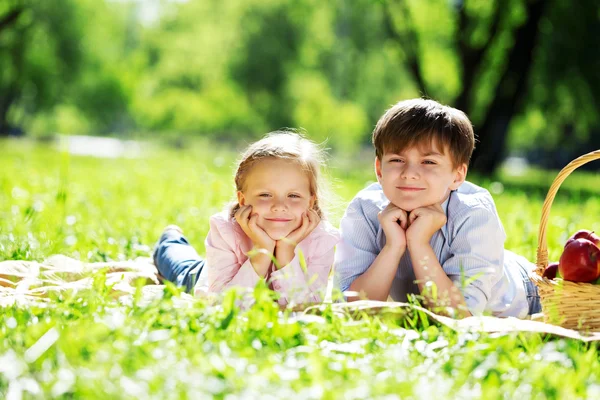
(277, 214)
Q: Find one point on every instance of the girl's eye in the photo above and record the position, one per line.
(293, 195)
(264, 195)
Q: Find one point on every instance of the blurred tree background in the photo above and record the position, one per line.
(526, 71)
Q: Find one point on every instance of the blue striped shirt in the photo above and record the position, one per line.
(470, 248)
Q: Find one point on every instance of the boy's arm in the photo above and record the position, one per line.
(376, 282)
(477, 261)
(359, 264)
(429, 272)
(436, 287)
(465, 282)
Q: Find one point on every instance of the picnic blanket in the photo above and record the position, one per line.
(23, 283)
(27, 282)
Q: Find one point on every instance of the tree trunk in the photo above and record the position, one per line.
(512, 88)
(9, 95)
(471, 58)
(10, 18)
(6, 100)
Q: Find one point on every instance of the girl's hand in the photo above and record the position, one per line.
(257, 235)
(310, 220)
(284, 248)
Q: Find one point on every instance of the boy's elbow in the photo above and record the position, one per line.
(475, 303)
(343, 286)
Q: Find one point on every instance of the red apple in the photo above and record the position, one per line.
(585, 234)
(551, 270)
(580, 261)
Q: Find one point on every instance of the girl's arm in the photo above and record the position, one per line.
(307, 285)
(226, 265)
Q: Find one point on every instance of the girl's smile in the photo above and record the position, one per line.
(279, 192)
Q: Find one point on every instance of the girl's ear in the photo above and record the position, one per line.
(311, 203)
(240, 198)
(378, 169)
(459, 176)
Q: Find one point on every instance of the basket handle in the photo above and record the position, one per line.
(542, 252)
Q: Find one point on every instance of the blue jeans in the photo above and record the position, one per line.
(533, 296)
(177, 261)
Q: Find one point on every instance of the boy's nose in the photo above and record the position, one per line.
(410, 172)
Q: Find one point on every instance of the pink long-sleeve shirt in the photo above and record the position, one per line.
(227, 263)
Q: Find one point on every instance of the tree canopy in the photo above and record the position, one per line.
(525, 71)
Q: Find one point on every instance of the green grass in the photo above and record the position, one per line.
(112, 209)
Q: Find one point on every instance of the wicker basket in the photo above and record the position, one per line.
(571, 305)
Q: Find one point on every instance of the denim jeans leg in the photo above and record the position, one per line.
(533, 296)
(177, 261)
(535, 303)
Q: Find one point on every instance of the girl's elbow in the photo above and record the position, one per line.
(217, 287)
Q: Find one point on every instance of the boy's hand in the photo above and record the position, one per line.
(284, 248)
(257, 235)
(394, 222)
(424, 222)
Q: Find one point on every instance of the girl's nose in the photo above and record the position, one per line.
(279, 205)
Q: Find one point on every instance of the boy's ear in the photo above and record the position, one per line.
(378, 169)
(460, 174)
(240, 198)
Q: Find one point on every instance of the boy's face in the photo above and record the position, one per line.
(418, 177)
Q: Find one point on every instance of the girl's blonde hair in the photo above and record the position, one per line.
(284, 145)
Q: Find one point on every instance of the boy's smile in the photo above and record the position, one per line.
(419, 176)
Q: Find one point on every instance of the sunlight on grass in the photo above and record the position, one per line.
(90, 346)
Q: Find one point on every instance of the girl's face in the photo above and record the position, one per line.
(279, 193)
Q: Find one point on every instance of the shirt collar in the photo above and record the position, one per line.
(444, 228)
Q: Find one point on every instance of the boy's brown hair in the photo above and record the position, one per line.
(423, 122)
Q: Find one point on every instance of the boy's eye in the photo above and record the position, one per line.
(396, 160)
(429, 162)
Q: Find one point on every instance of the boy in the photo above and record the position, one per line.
(422, 225)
